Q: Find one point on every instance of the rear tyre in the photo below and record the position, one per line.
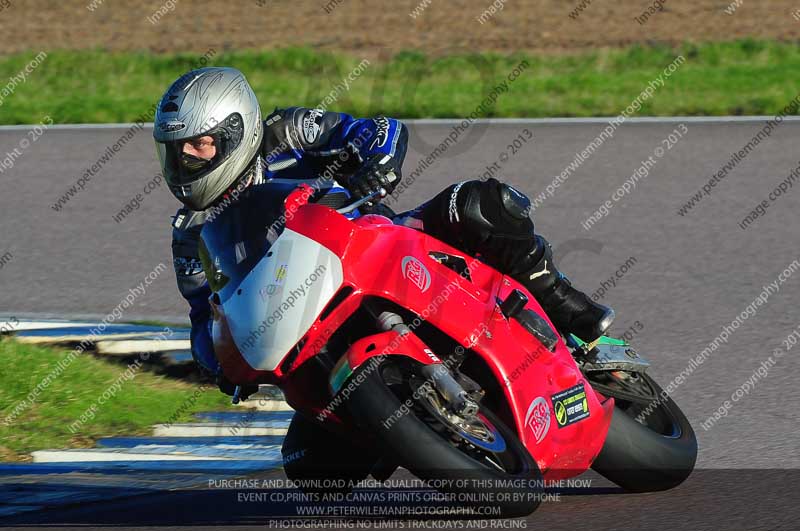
(650, 446)
(496, 467)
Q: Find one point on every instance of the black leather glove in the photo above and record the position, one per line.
(229, 388)
(376, 172)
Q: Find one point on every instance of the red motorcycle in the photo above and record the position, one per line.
(399, 341)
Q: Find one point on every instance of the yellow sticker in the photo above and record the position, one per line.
(570, 405)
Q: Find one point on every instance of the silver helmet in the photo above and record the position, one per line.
(215, 102)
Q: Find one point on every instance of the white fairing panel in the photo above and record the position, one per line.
(281, 297)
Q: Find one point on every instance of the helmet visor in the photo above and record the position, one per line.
(190, 159)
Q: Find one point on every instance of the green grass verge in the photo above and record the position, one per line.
(139, 402)
(740, 77)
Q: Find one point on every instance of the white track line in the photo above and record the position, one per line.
(81, 456)
(132, 346)
(70, 338)
(22, 325)
(172, 320)
(208, 429)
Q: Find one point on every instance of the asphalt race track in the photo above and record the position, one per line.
(690, 276)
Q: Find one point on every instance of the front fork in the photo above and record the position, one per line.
(457, 399)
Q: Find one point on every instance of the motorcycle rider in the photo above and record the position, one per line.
(212, 145)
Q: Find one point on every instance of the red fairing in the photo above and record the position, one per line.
(391, 343)
(396, 263)
(234, 366)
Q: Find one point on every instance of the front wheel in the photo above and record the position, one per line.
(650, 444)
(476, 458)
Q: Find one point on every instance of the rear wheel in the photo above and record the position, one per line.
(477, 459)
(650, 444)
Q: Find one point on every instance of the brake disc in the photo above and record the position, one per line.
(474, 429)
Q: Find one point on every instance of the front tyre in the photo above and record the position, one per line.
(484, 460)
(317, 460)
(650, 445)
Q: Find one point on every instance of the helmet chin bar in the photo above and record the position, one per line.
(253, 175)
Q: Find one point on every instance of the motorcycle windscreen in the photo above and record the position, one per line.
(272, 282)
(278, 301)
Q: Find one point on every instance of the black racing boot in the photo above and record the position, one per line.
(571, 311)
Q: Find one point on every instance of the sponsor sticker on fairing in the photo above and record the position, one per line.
(416, 272)
(538, 418)
(279, 279)
(570, 405)
(432, 356)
